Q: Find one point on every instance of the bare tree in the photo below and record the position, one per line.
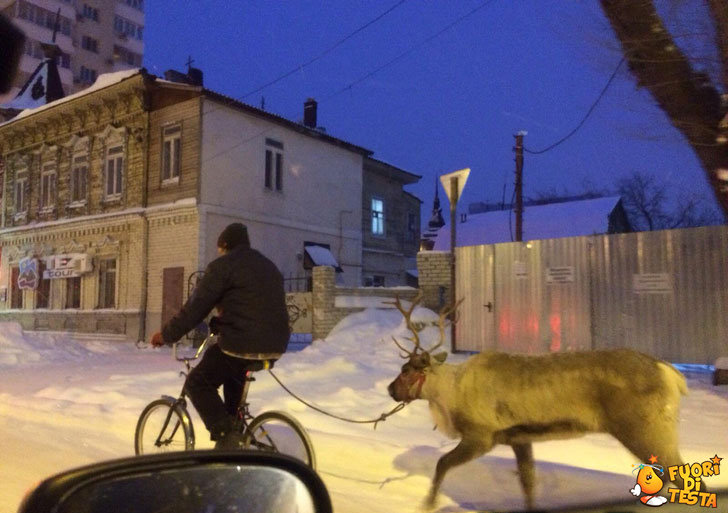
(690, 98)
(647, 202)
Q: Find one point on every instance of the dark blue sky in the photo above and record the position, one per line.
(453, 102)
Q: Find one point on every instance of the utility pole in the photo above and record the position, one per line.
(519, 185)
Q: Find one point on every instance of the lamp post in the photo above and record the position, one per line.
(453, 183)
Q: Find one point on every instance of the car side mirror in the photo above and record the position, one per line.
(184, 482)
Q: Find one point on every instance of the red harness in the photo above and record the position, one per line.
(419, 381)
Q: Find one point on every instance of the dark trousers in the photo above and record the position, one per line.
(214, 370)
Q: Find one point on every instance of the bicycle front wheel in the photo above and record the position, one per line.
(163, 426)
(277, 431)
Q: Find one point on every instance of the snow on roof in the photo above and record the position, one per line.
(552, 221)
(321, 256)
(105, 80)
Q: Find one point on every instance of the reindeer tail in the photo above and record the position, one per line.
(674, 376)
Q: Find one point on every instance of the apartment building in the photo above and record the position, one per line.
(94, 37)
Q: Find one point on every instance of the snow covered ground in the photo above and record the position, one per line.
(65, 403)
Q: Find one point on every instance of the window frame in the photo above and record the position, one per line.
(79, 188)
(44, 285)
(103, 283)
(48, 184)
(15, 291)
(77, 297)
(171, 160)
(273, 166)
(378, 228)
(115, 154)
(20, 187)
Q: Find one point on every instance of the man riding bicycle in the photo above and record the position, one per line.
(252, 323)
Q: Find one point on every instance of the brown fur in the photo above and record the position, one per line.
(497, 398)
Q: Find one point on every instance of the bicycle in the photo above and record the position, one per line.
(165, 424)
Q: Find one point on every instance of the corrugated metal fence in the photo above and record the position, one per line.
(664, 293)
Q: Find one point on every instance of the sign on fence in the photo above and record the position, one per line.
(654, 283)
(560, 274)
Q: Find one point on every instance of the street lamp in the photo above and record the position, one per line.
(453, 183)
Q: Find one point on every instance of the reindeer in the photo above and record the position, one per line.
(498, 398)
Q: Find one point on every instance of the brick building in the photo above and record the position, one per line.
(114, 197)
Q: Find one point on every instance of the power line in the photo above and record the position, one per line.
(410, 50)
(326, 51)
(581, 123)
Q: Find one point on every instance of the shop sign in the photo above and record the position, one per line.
(71, 265)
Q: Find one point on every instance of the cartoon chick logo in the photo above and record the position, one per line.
(649, 483)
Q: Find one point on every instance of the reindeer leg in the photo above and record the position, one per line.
(465, 451)
(526, 472)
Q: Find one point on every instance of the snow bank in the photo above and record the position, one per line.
(17, 348)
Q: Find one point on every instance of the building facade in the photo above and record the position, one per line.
(390, 226)
(94, 36)
(113, 200)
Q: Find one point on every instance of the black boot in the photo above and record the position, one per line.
(227, 435)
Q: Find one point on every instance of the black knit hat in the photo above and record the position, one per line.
(233, 235)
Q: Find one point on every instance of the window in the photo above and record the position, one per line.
(273, 164)
(48, 186)
(43, 17)
(136, 4)
(107, 283)
(43, 292)
(90, 12)
(87, 75)
(16, 295)
(411, 226)
(127, 29)
(377, 216)
(114, 172)
(127, 56)
(90, 44)
(21, 191)
(79, 178)
(374, 281)
(171, 138)
(73, 292)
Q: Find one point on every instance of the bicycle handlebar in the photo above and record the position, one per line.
(197, 353)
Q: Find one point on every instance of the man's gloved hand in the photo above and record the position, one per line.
(157, 340)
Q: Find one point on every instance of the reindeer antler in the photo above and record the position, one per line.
(446, 310)
(407, 314)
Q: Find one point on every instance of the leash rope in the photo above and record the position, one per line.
(376, 421)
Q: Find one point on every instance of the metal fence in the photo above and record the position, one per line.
(664, 293)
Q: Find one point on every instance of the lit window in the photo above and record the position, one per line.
(107, 283)
(171, 140)
(377, 216)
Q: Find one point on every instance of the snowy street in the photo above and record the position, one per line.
(65, 403)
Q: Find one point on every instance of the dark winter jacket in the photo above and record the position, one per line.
(248, 289)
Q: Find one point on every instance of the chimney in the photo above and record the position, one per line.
(309, 113)
(194, 76)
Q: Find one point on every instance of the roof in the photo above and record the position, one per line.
(103, 81)
(551, 221)
(390, 171)
(109, 79)
(318, 134)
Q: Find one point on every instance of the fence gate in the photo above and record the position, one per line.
(475, 330)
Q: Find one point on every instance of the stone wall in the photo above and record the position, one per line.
(433, 268)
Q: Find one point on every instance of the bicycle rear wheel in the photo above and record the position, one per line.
(163, 426)
(277, 431)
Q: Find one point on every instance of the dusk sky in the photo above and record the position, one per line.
(450, 101)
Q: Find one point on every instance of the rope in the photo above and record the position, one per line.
(376, 421)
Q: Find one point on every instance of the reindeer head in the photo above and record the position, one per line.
(407, 386)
